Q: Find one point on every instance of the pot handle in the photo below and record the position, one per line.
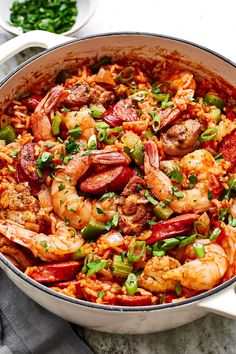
(223, 303)
(35, 38)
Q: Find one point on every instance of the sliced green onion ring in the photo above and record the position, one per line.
(131, 284)
(125, 75)
(97, 110)
(199, 250)
(133, 257)
(187, 241)
(156, 122)
(208, 134)
(139, 96)
(92, 142)
(150, 198)
(160, 253)
(215, 234)
(102, 134)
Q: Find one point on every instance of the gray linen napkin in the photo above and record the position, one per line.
(28, 328)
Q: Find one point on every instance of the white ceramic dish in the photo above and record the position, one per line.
(86, 9)
(116, 319)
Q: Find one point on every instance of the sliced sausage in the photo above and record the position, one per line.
(79, 95)
(137, 300)
(110, 180)
(54, 272)
(122, 111)
(27, 166)
(172, 227)
(228, 149)
(78, 290)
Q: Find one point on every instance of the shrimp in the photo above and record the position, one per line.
(202, 273)
(199, 163)
(56, 247)
(228, 242)
(77, 210)
(15, 254)
(184, 85)
(40, 120)
(152, 277)
(83, 119)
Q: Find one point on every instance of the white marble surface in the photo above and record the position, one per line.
(208, 23)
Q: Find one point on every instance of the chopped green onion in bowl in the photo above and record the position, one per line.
(58, 16)
(52, 16)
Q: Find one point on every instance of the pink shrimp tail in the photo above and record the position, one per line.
(151, 156)
(56, 95)
(109, 158)
(41, 124)
(16, 233)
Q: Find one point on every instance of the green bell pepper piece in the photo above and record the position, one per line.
(8, 134)
(137, 154)
(162, 212)
(212, 100)
(92, 230)
(56, 122)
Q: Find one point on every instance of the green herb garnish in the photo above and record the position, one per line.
(52, 16)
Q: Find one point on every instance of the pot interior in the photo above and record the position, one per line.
(43, 68)
(151, 49)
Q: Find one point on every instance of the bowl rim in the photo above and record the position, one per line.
(17, 31)
(84, 303)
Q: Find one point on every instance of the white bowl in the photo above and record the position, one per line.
(86, 9)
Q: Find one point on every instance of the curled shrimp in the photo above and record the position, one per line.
(199, 163)
(75, 209)
(58, 246)
(201, 273)
(40, 120)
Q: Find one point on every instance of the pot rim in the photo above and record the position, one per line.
(115, 308)
(118, 34)
(84, 303)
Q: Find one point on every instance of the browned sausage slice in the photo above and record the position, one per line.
(122, 111)
(228, 149)
(138, 300)
(54, 272)
(27, 167)
(172, 227)
(110, 180)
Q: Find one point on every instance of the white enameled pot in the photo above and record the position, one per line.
(68, 53)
